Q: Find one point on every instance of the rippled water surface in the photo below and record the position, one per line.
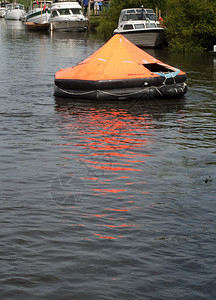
(111, 200)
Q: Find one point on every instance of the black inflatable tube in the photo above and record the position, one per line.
(154, 92)
(76, 84)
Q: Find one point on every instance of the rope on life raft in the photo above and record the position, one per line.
(75, 94)
(110, 94)
(129, 94)
(123, 95)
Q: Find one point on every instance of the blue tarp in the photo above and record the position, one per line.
(168, 75)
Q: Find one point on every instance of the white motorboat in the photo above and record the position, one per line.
(2, 8)
(141, 26)
(14, 11)
(67, 15)
(39, 13)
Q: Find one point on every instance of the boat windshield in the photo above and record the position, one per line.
(64, 12)
(20, 6)
(76, 11)
(54, 14)
(150, 11)
(151, 17)
(128, 17)
(139, 16)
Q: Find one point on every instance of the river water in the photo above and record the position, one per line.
(106, 200)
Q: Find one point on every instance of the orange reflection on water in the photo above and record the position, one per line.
(109, 191)
(112, 147)
(105, 237)
(100, 216)
(116, 209)
(116, 168)
(107, 133)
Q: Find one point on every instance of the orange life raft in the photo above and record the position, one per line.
(120, 70)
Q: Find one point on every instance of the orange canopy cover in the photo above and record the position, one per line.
(117, 59)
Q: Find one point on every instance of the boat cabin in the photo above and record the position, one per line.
(138, 18)
(65, 8)
(66, 12)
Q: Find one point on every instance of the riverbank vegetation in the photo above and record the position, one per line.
(191, 24)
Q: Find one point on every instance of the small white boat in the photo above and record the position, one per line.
(141, 26)
(14, 11)
(39, 13)
(67, 16)
(2, 8)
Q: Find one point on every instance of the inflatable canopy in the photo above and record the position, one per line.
(120, 70)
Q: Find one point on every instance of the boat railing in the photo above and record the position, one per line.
(14, 6)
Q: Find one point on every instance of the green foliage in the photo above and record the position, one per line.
(191, 24)
(20, 1)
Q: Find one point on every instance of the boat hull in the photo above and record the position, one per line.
(68, 25)
(14, 12)
(14, 15)
(153, 38)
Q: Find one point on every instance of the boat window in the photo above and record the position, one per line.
(64, 12)
(150, 11)
(132, 17)
(128, 26)
(154, 67)
(150, 25)
(54, 13)
(76, 11)
(151, 17)
(139, 26)
(141, 16)
(125, 18)
(122, 15)
(131, 11)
